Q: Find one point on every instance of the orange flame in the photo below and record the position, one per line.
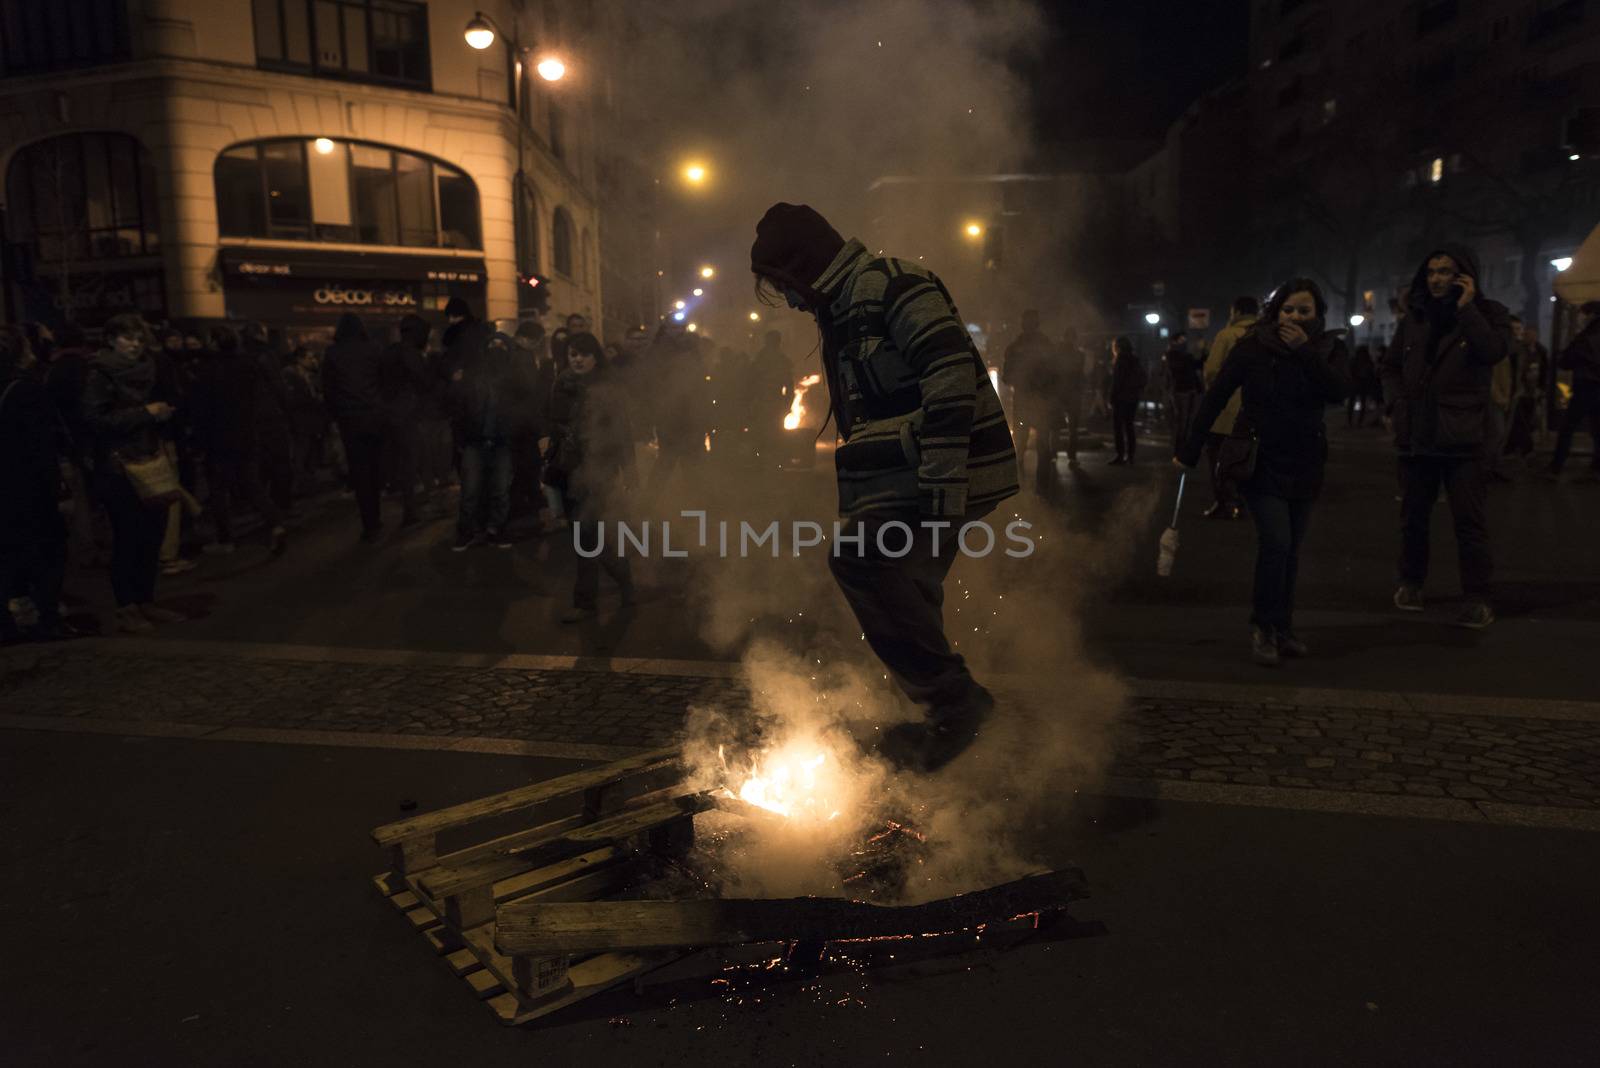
(797, 408)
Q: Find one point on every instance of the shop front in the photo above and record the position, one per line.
(304, 291)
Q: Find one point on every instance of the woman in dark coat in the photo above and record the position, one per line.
(123, 417)
(590, 460)
(1128, 380)
(1289, 369)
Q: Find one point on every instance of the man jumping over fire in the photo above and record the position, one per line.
(925, 443)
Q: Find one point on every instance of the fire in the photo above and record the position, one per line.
(797, 408)
(790, 782)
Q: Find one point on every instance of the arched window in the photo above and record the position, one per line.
(326, 190)
(83, 196)
(527, 228)
(561, 241)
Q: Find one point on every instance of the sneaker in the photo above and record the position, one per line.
(221, 548)
(1290, 645)
(1408, 598)
(463, 543)
(156, 614)
(178, 566)
(498, 540)
(1263, 649)
(1478, 616)
(130, 621)
(1114, 463)
(950, 734)
(577, 615)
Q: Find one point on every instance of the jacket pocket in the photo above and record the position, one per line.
(1461, 422)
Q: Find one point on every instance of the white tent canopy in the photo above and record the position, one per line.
(1581, 281)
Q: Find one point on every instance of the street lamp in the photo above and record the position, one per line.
(1561, 263)
(699, 292)
(1357, 319)
(755, 317)
(1153, 318)
(481, 31)
(679, 305)
(694, 173)
(974, 230)
(708, 272)
(551, 69)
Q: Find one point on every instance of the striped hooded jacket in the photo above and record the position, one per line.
(923, 428)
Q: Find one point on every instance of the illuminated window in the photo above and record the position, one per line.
(1436, 170)
(370, 194)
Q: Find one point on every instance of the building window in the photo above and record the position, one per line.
(83, 196)
(367, 40)
(561, 242)
(327, 190)
(1436, 170)
(45, 35)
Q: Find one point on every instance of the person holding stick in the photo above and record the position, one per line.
(1288, 369)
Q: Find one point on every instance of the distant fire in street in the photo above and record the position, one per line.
(797, 407)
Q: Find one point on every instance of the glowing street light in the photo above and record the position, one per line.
(480, 32)
(1153, 318)
(679, 316)
(680, 305)
(1561, 263)
(699, 292)
(1357, 319)
(708, 272)
(974, 230)
(1575, 157)
(551, 69)
(755, 317)
(695, 173)
(323, 145)
(693, 327)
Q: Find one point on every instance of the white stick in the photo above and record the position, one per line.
(1183, 477)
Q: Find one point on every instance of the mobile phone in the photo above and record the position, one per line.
(1455, 292)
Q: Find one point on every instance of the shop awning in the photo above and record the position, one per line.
(1581, 281)
(350, 265)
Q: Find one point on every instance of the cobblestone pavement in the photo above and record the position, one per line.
(1470, 757)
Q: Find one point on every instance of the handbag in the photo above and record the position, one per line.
(154, 478)
(1236, 456)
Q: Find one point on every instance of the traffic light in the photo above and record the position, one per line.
(533, 293)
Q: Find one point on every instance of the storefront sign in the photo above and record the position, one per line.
(308, 289)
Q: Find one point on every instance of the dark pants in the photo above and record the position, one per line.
(900, 606)
(36, 570)
(485, 487)
(402, 444)
(1462, 479)
(1122, 416)
(363, 452)
(1280, 528)
(1524, 418)
(277, 466)
(307, 460)
(526, 468)
(1184, 406)
(237, 476)
(1224, 491)
(1046, 422)
(586, 529)
(136, 533)
(1583, 407)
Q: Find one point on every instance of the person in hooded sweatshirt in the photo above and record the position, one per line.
(1287, 369)
(406, 384)
(123, 414)
(490, 401)
(352, 386)
(1436, 383)
(926, 442)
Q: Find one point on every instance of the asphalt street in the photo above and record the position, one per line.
(183, 902)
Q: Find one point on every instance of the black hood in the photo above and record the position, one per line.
(1466, 261)
(414, 331)
(350, 328)
(794, 244)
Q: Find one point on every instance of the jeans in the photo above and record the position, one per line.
(363, 452)
(1184, 406)
(1462, 479)
(592, 530)
(1122, 417)
(1583, 407)
(236, 475)
(485, 487)
(136, 532)
(900, 606)
(1280, 529)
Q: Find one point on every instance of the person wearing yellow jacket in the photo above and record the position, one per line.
(1241, 318)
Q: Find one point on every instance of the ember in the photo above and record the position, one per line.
(789, 782)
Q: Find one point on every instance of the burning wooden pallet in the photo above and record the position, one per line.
(529, 919)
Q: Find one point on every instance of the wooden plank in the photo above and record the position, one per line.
(390, 883)
(589, 978)
(445, 882)
(483, 983)
(443, 940)
(444, 819)
(422, 918)
(462, 961)
(542, 928)
(476, 905)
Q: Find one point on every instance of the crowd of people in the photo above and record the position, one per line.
(1462, 386)
(144, 451)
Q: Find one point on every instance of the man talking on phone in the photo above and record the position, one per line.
(1436, 381)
